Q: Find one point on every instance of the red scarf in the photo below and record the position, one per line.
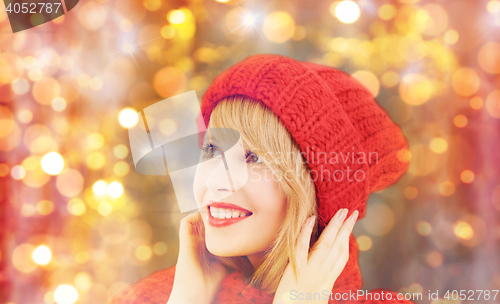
(234, 289)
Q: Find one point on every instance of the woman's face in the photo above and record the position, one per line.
(244, 222)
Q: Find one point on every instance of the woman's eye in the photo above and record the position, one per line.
(210, 151)
(252, 158)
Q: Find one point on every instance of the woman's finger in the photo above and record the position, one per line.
(327, 237)
(340, 248)
(302, 247)
(185, 229)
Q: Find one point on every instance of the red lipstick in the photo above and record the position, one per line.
(217, 222)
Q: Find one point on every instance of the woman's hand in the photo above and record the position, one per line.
(318, 269)
(194, 281)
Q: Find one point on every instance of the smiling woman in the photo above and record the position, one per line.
(259, 244)
(280, 234)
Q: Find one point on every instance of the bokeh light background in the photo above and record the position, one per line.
(78, 223)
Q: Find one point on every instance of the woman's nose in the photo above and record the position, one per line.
(220, 180)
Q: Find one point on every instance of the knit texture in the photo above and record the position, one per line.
(234, 288)
(328, 113)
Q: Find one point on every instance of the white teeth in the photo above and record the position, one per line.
(221, 213)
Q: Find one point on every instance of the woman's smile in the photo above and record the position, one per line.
(224, 214)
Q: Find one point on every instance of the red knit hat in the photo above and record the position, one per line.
(328, 113)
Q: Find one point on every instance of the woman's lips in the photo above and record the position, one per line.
(233, 213)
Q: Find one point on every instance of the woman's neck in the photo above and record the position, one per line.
(256, 259)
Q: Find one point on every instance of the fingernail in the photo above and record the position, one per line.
(311, 220)
(354, 216)
(344, 214)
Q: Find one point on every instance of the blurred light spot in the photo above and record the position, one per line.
(493, 6)
(364, 242)
(83, 80)
(6, 122)
(82, 257)
(234, 27)
(22, 258)
(476, 102)
(45, 90)
(20, 86)
(249, 19)
(160, 248)
(465, 82)
(489, 57)
(299, 33)
(120, 151)
(169, 81)
(76, 207)
(390, 79)
(115, 189)
(176, 16)
(460, 121)
(434, 259)
(411, 192)
(96, 84)
(4, 170)
(42, 255)
(346, 11)
(222, 1)
(126, 25)
(35, 74)
(58, 104)
(48, 298)
(104, 208)
(95, 141)
(415, 89)
(70, 183)
(168, 126)
(92, 15)
(128, 117)
(380, 219)
(121, 168)
(438, 19)
(424, 228)
(96, 160)
(18, 172)
(404, 155)
(52, 163)
(167, 32)
(152, 5)
(44, 207)
(438, 145)
(493, 104)
(25, 116)
(387, 12)
(446, 188)
(278, 27)
(451, 37)
(128, 48)
(65, 294)
(143, 253)
(100, 188)
(467, 176)
(83, 281)
(369, 80)
(463, 230)
(28, 210)
(38, 139)
(30, 163)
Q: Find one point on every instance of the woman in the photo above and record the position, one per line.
(317, 144)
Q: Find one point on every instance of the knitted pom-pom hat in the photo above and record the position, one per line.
(351, 146)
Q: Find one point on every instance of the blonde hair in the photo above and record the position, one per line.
(263, 133)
